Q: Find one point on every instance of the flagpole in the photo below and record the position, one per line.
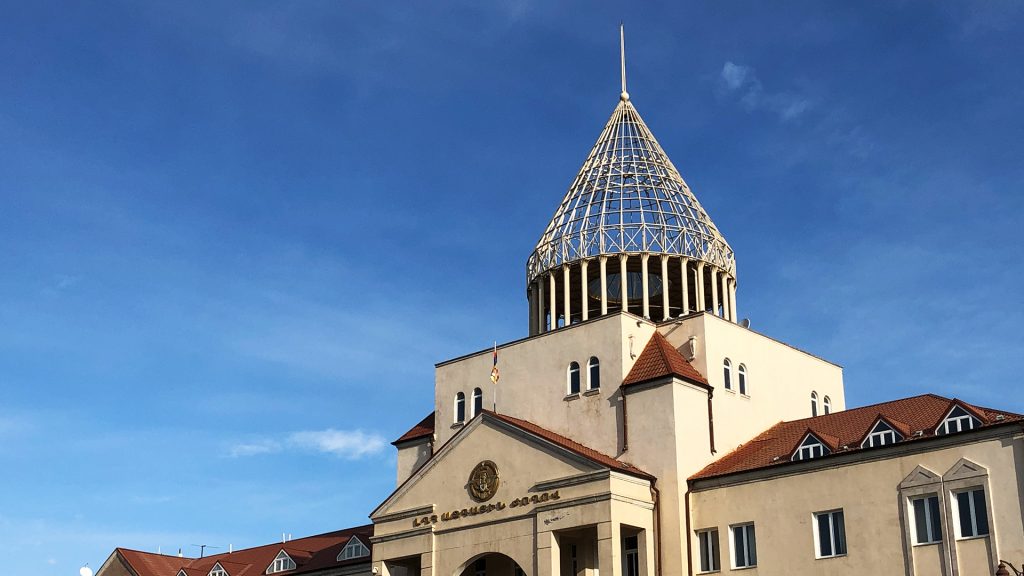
(495, 380)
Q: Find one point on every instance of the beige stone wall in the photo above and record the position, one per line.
(780, 378)
(782, 509)
(533, 380)
(411, 456)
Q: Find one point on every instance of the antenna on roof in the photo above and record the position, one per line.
(202, 549)
(624, 96)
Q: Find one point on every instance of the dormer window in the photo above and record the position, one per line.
(881, 435)
(573, 377)
(958, 420)
(282, 563)
(811, 447)
(354, 549)
(218, 570)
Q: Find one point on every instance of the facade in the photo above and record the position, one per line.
(640, 429)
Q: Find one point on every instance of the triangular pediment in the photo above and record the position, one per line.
(520, 458)
(964, 469)
(921, 476)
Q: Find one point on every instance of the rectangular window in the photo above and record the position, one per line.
(630, 556)
(744, 546)
(927, 520)
(707, 540)
(973, 513)
(831, 534)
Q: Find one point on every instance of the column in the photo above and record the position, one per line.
(623, 282)
(542, 325)
(701, 304)
(553, 319)
(604, 284)
(549, 555)
(584, 288)
(609, 553)
(684, 265)
(732, 299)
(714, 291)
(531, 299)
(726, 306)
(664, 288)
(566, 296)
(646, 310)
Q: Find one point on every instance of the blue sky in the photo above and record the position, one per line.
(236, 237)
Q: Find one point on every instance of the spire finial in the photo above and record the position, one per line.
(624, 96)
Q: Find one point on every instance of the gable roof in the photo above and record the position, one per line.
(312, 553)
(573, 446)
(660, 359)
(423, 429)
(845, 430)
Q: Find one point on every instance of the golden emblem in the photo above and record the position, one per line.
(483, 481)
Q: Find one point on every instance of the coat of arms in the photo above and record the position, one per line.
(483, 481)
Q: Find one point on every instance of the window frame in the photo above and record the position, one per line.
(354, 543)
(798, 454)
(709, 555)
(631, 556)
(814, 404)
(727, 373)
(874, 433)
(460, 408)
(749, 552)
(931, 520)
(836, 537)
(943, 428)
(478, 402)
(593, 373)
(826, 403)
(279, 563)
(975, 494)
(217, 570)
(741, 379)
(572, 377)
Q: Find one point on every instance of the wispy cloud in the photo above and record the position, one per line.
(741, 80)
(347, 444)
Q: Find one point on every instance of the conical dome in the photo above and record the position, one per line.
(629, 198)
(629, 201)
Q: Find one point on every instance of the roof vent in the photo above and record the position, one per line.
(776, 459)
(918, 433)
(1000, 417)
(845, 447)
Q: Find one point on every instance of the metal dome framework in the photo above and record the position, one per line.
(629, 203)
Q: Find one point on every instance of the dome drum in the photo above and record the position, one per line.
(593, 287)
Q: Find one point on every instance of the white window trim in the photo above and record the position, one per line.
(746, 549)
(912, 519)
(281, 557)
(742, 380)
(455, 417)
(955, 500)
(822, 448)
(826, 403)
(477, 393)
(831, 534)
(218, 570)
(590, 368)
(814, 404)
(568, 379)
(943, 428)
(354, 543)
(875, 433)
(710, 551)
(727, 375)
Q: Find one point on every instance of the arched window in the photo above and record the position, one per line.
(593, 373)
(814, 403)
(727, 373)
(742, 371)
(573, 376)
(460, 408)
(478, 401)
(828, 405)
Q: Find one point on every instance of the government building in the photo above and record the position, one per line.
(642, 429)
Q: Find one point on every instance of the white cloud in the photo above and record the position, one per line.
(51, 561)
(739, 79)
(348, 444)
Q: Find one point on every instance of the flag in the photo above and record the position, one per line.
(495, 376)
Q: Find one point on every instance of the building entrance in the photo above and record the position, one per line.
(492, 564)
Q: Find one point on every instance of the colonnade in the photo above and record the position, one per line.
(654, 286)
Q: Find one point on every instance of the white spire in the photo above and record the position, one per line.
(622, 58)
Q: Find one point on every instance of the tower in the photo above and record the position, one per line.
(628, 235)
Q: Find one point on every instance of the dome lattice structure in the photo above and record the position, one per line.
(629, 198)
(629, 204)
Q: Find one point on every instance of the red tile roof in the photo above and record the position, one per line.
(423, 429)
(573, 446)
(660, 359)
(775, 446)
(312, 553)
